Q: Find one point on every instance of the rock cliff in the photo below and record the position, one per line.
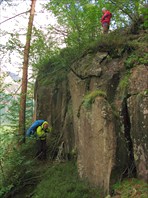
(99, 113)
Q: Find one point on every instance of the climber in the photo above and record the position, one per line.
(105, 20)
(41, 133)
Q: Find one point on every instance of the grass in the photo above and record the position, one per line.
(108, 42)
(61, 180)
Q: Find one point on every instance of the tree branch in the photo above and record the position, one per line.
(59, 31)
(5, 1)
(15, 16)
(130, 16)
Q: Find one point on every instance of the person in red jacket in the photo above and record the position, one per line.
(105, 20)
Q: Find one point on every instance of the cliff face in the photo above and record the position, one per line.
(100, 114)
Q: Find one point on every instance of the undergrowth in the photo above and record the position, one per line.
(16, 163)
(61, 180)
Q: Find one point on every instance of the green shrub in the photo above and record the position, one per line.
(136, 59)
(131, 61)
(16, 163)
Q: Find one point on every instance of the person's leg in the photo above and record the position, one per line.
(39, 149)
(44, 149)
(105, 28)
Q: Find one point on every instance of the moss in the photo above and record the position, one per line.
(124, 82)
(90, 98)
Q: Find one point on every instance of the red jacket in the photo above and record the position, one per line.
(106, 17)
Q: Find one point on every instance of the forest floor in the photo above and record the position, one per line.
(61, 180)
(57, 180)
(27, 191)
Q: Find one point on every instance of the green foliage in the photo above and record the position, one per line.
(53, 71)
(58, 65)
(80, 20)
(145, 15)
(15, 163)
(14, 43)
(122, 10)
(13, 111)
(138, 56)
(131, 61)
(10, 112)
(61, 180)
(42, 48)
(90, 98)
(4, 98)
(136, 59)
(131, 188)
(10, 102)
(6, 138)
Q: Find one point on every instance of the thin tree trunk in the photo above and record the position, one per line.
(22, 117)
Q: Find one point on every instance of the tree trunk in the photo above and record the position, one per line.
(25, 75)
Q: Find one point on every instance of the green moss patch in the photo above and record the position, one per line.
(90, 98)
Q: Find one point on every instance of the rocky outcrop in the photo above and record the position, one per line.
(96, 143)
(100, 114)
(138, 111)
